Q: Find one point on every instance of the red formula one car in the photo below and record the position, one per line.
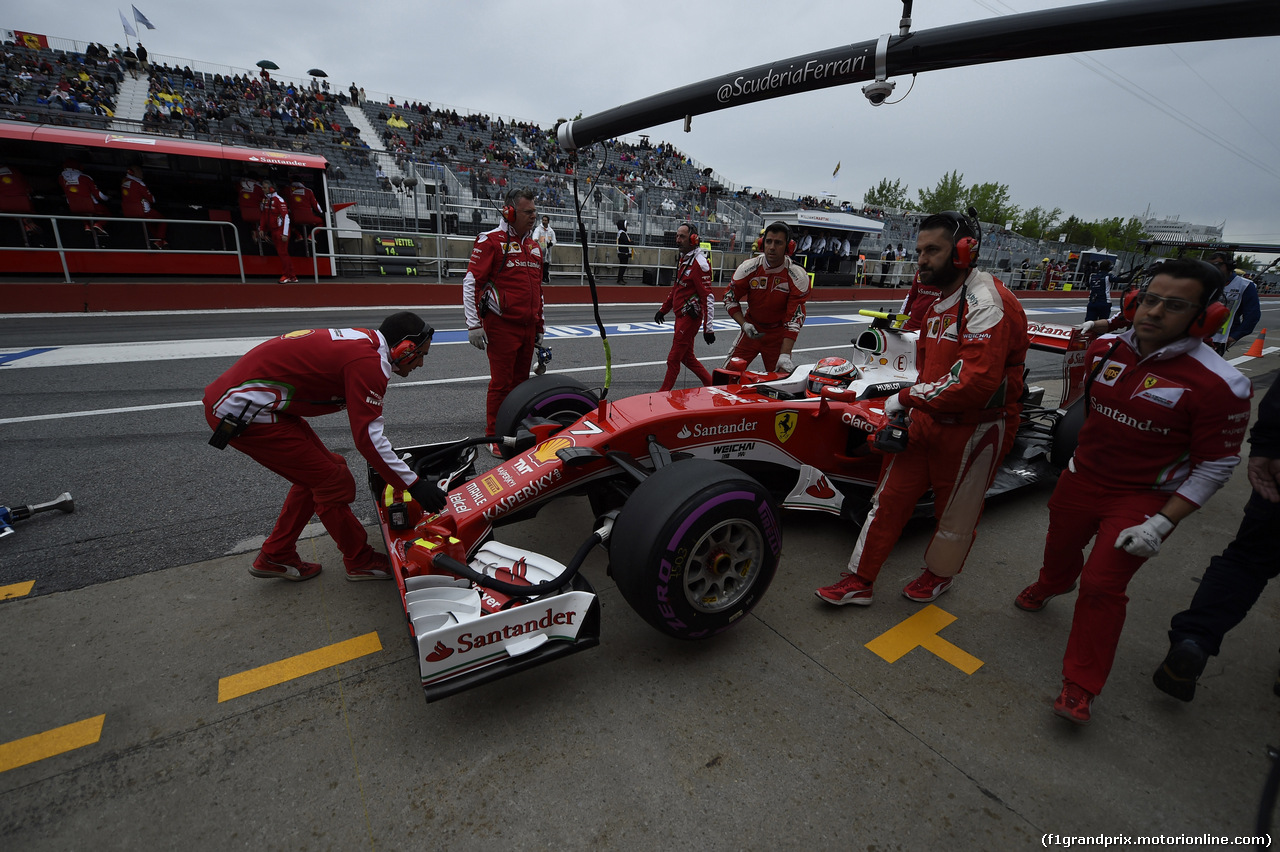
(686, 488)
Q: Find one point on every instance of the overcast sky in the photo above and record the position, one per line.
(1055, 130)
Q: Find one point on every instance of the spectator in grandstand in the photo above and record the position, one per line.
(694, 305)
(963, 414)
(775, 291)
(274, 223)
(624, 250)
(1100, 284)
(1158, 388)
(137, 202)
(545, 235)
(261, 403)
(502, 300)
(83, 196)
(1240, 295)
(1234, 580)
(142, 54)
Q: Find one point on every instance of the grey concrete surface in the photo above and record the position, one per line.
(785, 732)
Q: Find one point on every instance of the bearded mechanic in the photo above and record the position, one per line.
(502, 300)
(963, 415)
(1166, 418)
(775, 290)
(261, 405)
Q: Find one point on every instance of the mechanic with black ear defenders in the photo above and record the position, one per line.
(694, 304)
(259, 407)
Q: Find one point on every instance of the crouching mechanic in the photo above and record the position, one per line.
(1166, 417)
(502, 301)
(963, 415)
(775, 290)
(261, 403)
(694, 304)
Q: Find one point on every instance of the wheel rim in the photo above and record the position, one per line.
(724, 565)
(563, 411)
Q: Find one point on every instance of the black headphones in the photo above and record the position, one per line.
(406, 350)
(964, 253)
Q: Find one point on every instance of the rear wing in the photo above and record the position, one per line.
(1068, 340)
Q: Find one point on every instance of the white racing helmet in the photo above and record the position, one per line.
(832, 372)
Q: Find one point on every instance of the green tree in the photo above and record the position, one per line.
(992, 202)
(1039, 223)
(947, 195)
(886, 194)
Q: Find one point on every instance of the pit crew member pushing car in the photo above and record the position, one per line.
(963, 410)
(694, 304)
(1166, 417)
(502, 300)
(259, 407)
(775, 290)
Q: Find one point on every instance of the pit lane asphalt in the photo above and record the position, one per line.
(785, 732)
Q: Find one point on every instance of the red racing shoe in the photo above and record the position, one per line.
(292, 569)
(1034, 597)
(851, 589)
(927, 587)
(1074, 704)
(375, 567)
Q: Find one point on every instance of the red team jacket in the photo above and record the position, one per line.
(275, 216)
(1172, 421)
(775, 297)
(311, 373)
(514, 267)
(974, 375)
(691, 291)
(136, 200)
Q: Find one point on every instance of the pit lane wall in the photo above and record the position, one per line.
(134, 295)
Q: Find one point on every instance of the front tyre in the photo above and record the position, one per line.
(695, 547)
(552, 397)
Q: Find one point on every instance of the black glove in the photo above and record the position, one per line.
(659, 317)
(428, 495)
(709, 336)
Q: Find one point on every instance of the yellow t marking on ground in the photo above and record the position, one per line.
(50, 743)
(236, 685)
(921, 631)
(17, 590)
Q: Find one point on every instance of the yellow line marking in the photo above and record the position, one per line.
(50, 743)
(921, 631)
(236, 685)
(17, 590)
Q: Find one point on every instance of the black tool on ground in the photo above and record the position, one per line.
(892, 437)
(62, 503)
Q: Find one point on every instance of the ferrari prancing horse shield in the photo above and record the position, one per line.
(784, 425)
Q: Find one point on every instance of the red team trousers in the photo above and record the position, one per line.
(322, 486)
(682, 342)
(510, 351)
(1079, 511)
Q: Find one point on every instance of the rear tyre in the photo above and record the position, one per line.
(695, 547)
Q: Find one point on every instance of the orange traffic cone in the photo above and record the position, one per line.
(1255, 350)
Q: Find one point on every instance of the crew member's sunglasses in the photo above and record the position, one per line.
(1172, 306)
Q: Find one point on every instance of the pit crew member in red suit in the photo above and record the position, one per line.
(694, 304)
(78, 185)
(775, 290)
(15, 197)
(1166, 417)
(502, 300)
(137, 202)
(963, 412)
(916, 306)
(276, 385)
(275, 225)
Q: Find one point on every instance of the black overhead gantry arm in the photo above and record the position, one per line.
(1071, 29)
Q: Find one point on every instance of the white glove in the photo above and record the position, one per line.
(477, 338)
(785, 364)
(894, 407)
(751, 331)
(1084, 327)
(1144, 539)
